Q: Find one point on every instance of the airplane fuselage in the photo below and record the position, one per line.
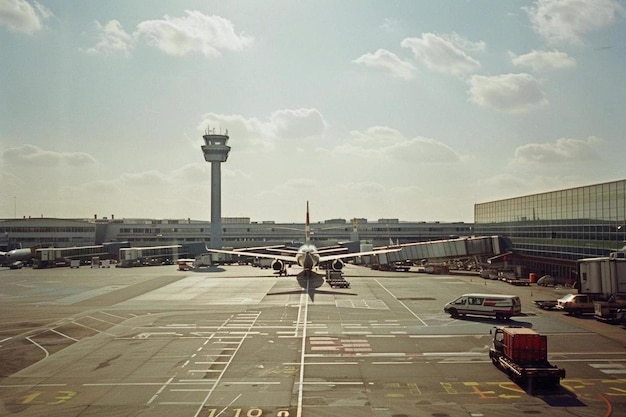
(307, 257)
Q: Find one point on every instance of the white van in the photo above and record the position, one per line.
(500, 306)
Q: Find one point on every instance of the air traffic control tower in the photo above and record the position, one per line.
(216, 151)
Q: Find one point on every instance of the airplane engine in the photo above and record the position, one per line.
(277, 265)
(336, 265)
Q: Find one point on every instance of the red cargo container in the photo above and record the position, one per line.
(525, 346)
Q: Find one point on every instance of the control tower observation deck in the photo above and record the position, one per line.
(216, 151)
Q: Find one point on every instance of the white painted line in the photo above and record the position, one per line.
(606, 365)
(330, 363)
(31, 385)
(223, 371)
(404, 305)
(325, 348)
(303, 299)
(203, 370)
(195, 382)
(187, 390)
(180, 403)
(159, 391)
(332, 383)
(63, 335)
(39, 346)
(122, 384)
(254, 383)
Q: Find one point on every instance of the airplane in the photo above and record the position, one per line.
(308, 256)
(24, 255)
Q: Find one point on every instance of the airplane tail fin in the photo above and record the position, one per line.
(307, 225)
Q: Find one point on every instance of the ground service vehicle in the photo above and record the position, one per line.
(500, 306)
(576, 304)
(523, 354)
(604, 279)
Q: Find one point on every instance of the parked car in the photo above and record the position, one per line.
(16, 265)
(547, 281)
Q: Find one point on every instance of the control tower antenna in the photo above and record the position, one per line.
(216, 151)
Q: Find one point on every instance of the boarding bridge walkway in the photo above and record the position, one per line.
(444, 250)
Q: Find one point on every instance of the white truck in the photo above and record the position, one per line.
(603, 281)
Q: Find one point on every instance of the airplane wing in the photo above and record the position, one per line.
(324, 258)
(286, 258)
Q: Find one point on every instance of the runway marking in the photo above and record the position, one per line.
(303, 300)
(253, 383)
(39, 346)
(336, 344)
(610, 368)
(160, 391)
(63, 335)
(252, 318)
(404, 305)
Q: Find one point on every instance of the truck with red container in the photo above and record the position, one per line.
(523, 354)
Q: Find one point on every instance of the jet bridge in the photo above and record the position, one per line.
(450, 249)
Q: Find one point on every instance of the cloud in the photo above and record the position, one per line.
(112, 38)
(19, 16)
(195, 32)
(567, 21)
(32, 156)
(255, 134)
(389, 61)
(247, 130)
(177, 36)
(445, 53)
(299, 123)
(507, 92)
(563, 151)
(541, 60)
(383, 143)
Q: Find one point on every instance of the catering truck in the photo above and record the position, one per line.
(522, 354)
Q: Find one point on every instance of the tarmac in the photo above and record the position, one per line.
(239, 341)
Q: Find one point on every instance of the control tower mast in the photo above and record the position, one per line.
(216, 151)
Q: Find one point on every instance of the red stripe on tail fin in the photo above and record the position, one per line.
(307, 224)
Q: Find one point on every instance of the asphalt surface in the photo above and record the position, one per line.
(238, 341)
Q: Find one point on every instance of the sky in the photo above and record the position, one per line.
(414, 109)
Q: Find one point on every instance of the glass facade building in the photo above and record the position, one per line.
(550, 231)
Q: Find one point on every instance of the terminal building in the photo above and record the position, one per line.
(550, 231)
(194, 235)
(546, 233)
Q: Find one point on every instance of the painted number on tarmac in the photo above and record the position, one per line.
(35, 397)
(240, 412)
